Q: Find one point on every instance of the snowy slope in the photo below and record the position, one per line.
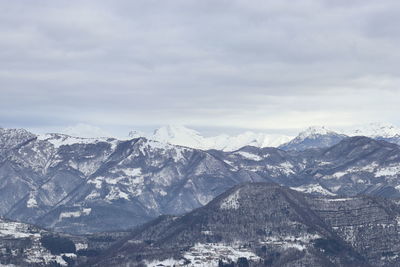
(313, 137)
(375, 130)
(11, 138)
(21, 245)
(59, 140)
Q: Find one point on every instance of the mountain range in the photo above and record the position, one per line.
(87, 185)
(312, 137)
(183, 136)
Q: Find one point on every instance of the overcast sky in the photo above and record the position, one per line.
(261, 65)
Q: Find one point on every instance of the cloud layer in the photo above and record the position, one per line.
(243, 64)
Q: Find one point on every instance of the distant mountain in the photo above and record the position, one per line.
(262, 224)
(313, 137)
(69, 183)
(59, 140)
(12, 138)
(379, 131)
(320, 136)
(375, 130)
(183, 136)
(85, 185)
(310, 138)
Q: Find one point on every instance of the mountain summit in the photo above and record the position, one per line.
(183, 136)
(314, 137)
(179, 135)
(376, 130)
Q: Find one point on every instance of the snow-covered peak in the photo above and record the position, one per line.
(11, 137)
(179, 135)
(231, 143)
(62, 139)
(183, 136)
(376, 129)
(313, 137)
(314, 131)
(15, 133)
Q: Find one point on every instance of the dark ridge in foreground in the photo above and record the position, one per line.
(264, 224)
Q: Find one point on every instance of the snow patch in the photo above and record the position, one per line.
(313, 188)
(59, 140)
(115, 193)
(367, 168)
(286, 168)
(81, 246)
(392, 170)
(289, 241)
(208, 255)
(335, 199)
(249, 156)
(98, 181)
(75, 214)
(294, 245)
(31, 203)
(132, 171)
(15, 230)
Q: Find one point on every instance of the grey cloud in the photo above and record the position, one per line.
(255, 64)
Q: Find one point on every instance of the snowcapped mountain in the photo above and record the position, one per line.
(11, 138)
(313, 137)
(90, 185)
(375, 130)
(59, 140)
(68, 183)
(183, 136)
(179, 135)
(379, 131)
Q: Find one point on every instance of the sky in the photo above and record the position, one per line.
(214, 65)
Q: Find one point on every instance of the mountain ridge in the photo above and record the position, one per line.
(68, 186)
(268, 225)
(311, 137)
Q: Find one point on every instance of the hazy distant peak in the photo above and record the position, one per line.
(184, 136)
(376, 129)
(314, 137)
(315, 130)
(175, 131)
(85, 130)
